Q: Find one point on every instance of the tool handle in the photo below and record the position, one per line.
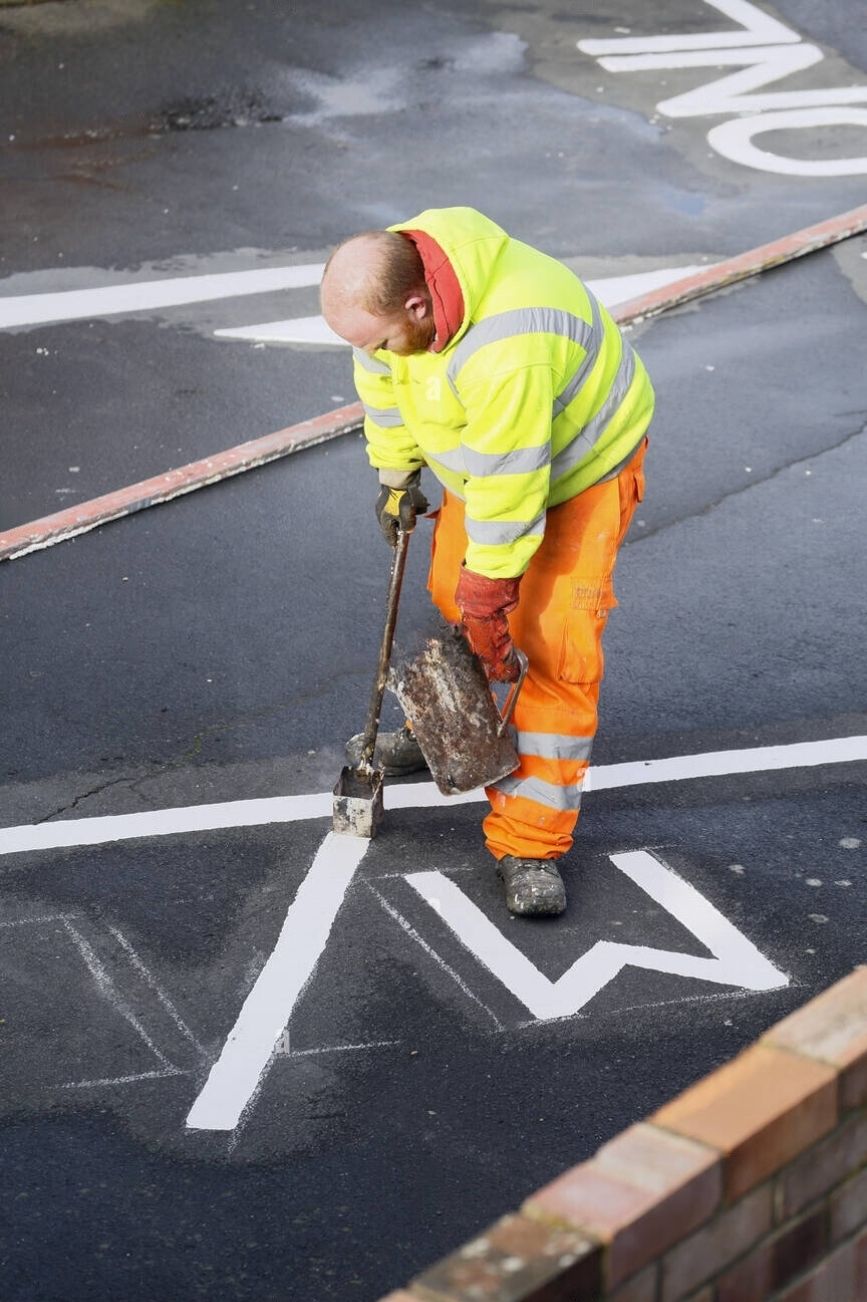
(398, 564)
(514, 693)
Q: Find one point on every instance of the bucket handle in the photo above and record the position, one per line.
(514, 693)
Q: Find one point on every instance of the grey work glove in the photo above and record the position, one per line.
(397, 508)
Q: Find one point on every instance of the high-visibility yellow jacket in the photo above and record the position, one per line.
(535, 397)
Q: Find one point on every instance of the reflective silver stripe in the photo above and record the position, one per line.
(518, 321)
(494, 533)
(368, 363)
(453, 460)
(553, 745)
(521, 461)
(544, 793)
(595, 428)
(384, 416)
(572, 386)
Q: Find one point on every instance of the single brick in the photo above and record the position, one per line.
(833, 1280)
(641, 1193)
(640, 1288)
(849, 1207)
(726, 1237)
(760, 1111)
(821, 1167)
(516, 1260)
(776, 1261)
(833, 1028)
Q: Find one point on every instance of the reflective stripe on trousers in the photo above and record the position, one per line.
(565, 597)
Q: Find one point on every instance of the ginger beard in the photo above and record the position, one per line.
(412, 336)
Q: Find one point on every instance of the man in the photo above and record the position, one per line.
(493, 364)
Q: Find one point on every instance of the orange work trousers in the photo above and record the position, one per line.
(565, 596)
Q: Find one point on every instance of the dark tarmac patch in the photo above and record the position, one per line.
(212, 112)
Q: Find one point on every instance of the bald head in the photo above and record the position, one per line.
(374, 294)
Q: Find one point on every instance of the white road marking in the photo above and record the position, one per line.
(107, 988)
(298, 330)
(45, 917)
(736, 960)
(758, 28)
(235, 1077)
(149, 295)
(431, 952)
(313, 330)
(341, 1048)
(415, 795)
(124, 1080)
(164, 999)
(769, 51)
(734, 140)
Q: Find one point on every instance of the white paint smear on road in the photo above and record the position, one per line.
(149, 295)
(415, 795)
(313, 330)
(235, 1076)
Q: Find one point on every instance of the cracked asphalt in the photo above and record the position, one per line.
(219, 649)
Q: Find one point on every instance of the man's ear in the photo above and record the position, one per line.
(417, 306)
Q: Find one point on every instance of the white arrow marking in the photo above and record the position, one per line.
(313, 330)
(235, 1076)
(736, 960)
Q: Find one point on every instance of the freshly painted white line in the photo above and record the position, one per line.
(411, 931)
(414, 795)
(313, 330)
(148, 295)
(736, 960)
(164, 999)
(234, 1078)
(109, 991)
(165, 822)
(727, 763)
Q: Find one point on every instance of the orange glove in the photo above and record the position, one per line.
(484, 604)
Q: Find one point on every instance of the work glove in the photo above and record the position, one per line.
(397, 508)
(484, 604)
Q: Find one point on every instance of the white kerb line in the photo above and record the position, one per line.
(149, 295)
(416, 795)
(235, 1077)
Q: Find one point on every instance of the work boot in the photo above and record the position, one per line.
(533, 886)
(397, 753)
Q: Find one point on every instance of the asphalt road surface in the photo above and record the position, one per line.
(242, 1059)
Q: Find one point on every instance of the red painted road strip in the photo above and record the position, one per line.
(729, 272)
(51, 529)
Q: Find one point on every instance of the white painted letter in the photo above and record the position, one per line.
(734, 141)
(758, 29)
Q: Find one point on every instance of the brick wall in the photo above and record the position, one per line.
(752, 1185)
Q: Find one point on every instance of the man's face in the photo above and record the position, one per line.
(409, 331)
